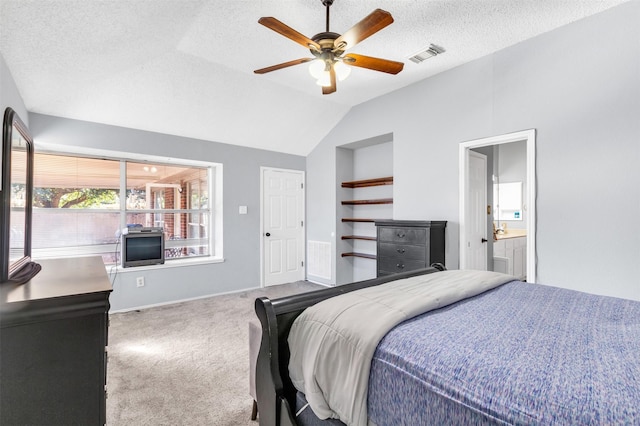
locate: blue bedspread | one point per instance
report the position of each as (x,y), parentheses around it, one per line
(518,354)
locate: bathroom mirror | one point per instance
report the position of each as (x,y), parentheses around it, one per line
(507,199)
(16,197)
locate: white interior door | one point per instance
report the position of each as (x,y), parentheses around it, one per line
(477,212)
(282,226)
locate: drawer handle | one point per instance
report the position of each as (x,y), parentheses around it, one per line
(400,250)
(400,266)
(401,235)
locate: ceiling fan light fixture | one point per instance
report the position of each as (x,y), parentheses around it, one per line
(324,79)
(317,68)
(342,70)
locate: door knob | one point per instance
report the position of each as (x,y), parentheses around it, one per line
(267,234)
(484,240)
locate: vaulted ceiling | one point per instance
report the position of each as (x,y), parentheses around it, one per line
(185,67)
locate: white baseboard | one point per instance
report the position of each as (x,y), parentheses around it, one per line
(173,302)
(319,283)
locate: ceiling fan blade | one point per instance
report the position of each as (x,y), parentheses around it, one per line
(287,31)
(376,64)
(374,22)
(327,90)
(283,65)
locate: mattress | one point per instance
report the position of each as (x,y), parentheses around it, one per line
(332,342)
(518,354)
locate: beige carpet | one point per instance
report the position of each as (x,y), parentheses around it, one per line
(186,363)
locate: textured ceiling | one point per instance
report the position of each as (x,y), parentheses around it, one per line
(185,67)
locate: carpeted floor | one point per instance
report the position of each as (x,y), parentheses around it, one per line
(186,363)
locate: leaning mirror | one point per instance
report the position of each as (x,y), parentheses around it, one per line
(16,194)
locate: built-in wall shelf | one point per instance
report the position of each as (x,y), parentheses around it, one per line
(363,255)
(363,202)
(358,237)
(361,194)
(368,182)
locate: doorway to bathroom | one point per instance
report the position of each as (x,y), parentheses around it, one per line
(497,213)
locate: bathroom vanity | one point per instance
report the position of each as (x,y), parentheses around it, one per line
(510,253)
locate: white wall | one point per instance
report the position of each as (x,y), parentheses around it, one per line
(579,86)
(9,95)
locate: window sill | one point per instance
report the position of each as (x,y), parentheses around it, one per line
(167,264)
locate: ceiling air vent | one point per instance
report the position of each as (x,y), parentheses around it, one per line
(426,53)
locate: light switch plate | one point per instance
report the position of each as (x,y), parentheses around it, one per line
(242,210)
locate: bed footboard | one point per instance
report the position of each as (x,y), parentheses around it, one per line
(275,392)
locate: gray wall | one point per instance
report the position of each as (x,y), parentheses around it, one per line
(579,86)
(241,166)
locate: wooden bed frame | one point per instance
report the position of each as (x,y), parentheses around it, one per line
(275,392)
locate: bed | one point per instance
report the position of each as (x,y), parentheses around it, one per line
(504,352)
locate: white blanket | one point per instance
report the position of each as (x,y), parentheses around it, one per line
(332,343)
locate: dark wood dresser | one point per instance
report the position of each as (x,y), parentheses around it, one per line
(406,245)
(53,338)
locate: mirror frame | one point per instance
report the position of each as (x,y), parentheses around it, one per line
(8,268)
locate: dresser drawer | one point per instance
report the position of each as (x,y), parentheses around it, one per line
(402,251)
(394,265)
(402,235)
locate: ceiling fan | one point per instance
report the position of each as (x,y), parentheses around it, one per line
(328,49)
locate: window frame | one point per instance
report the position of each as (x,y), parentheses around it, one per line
(214,214)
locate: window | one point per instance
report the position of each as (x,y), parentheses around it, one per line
(81,204)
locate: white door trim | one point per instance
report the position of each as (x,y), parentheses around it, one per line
(529,136)
(304,232)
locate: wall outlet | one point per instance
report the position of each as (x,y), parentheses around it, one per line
(140,282)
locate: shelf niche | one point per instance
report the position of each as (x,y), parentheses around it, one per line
(388,180)
(364,183)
